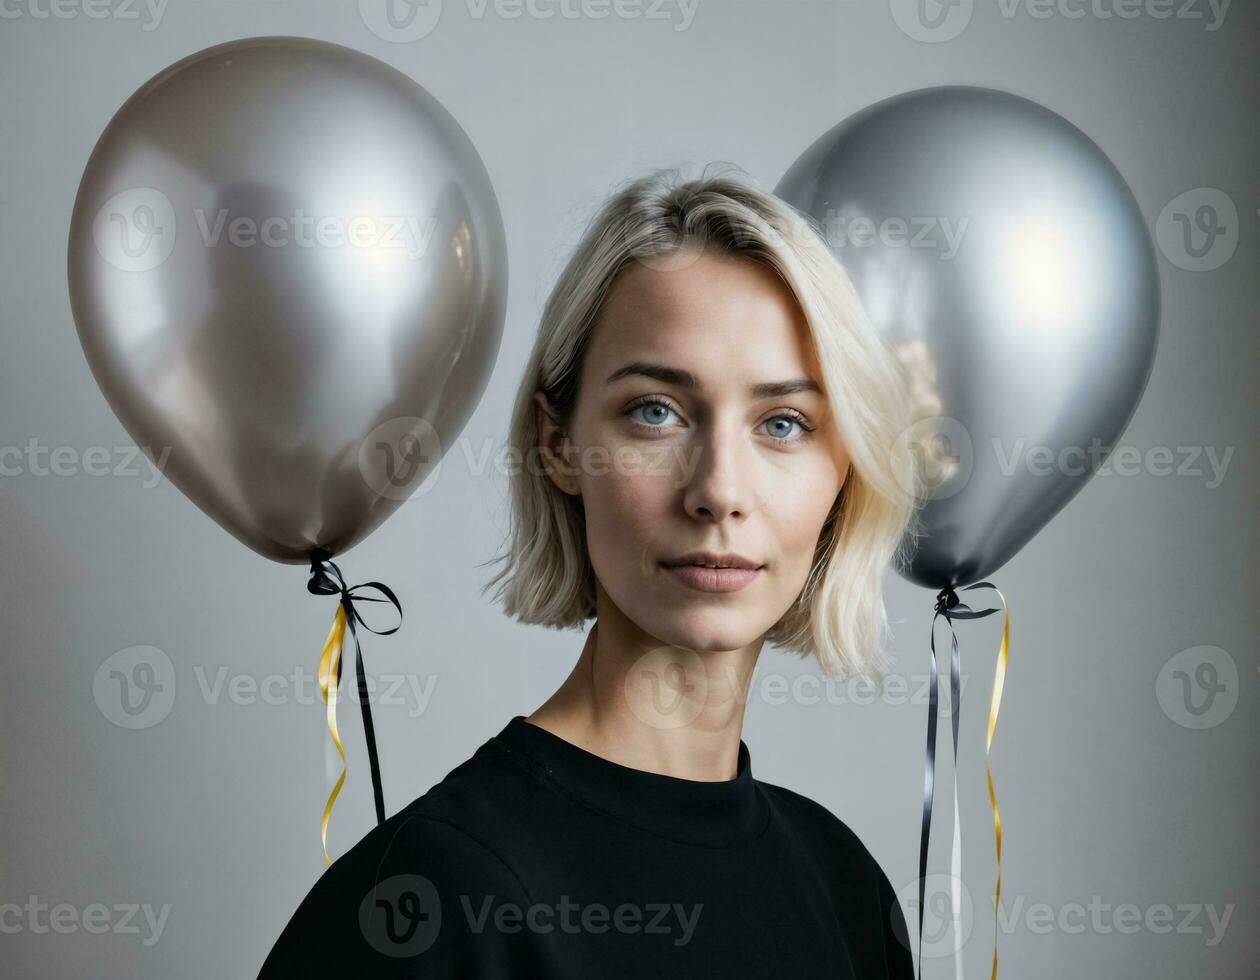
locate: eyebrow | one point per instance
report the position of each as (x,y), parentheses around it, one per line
(685,379)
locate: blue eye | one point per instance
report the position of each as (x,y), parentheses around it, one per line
(658,405)
(791,419)
(660,408)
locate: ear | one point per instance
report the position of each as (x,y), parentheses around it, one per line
(556,451)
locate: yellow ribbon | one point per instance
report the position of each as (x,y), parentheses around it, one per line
(329,675)
(999,678)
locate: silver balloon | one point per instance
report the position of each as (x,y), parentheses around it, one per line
(288,267)
(1003,258)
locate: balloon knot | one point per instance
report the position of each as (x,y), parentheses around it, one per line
(325,576)
(946,599)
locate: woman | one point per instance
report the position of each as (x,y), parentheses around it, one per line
(708,428)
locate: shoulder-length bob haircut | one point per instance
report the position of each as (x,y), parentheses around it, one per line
(839,615)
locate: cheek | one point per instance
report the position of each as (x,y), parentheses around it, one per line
(796,509)
(623,508)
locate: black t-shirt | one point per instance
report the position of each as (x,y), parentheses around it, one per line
(536,858)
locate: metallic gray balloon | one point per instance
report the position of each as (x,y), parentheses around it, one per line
(288,266)
(1007,264)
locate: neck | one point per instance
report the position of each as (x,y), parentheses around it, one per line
(652,706)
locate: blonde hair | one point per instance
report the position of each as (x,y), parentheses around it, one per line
(839,615)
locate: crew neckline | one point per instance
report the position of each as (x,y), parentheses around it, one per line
(702,812)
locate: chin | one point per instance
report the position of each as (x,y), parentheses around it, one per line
(710,631)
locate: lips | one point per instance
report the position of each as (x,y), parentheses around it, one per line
(714,580)
(721,560)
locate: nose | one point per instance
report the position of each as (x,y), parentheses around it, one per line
(719,486)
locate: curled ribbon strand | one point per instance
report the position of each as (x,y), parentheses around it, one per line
(951,607)
(326,579)
(999,679)
(329,677)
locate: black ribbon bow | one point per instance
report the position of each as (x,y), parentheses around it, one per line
(326,579)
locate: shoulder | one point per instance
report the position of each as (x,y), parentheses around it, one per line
(832,842)
(864,897)
(425,888)
(457,825)
(813,821)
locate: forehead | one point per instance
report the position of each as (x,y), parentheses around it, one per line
(722,317)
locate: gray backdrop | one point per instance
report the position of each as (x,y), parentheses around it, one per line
(1126,775)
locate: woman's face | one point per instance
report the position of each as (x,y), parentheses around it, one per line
(674,449)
